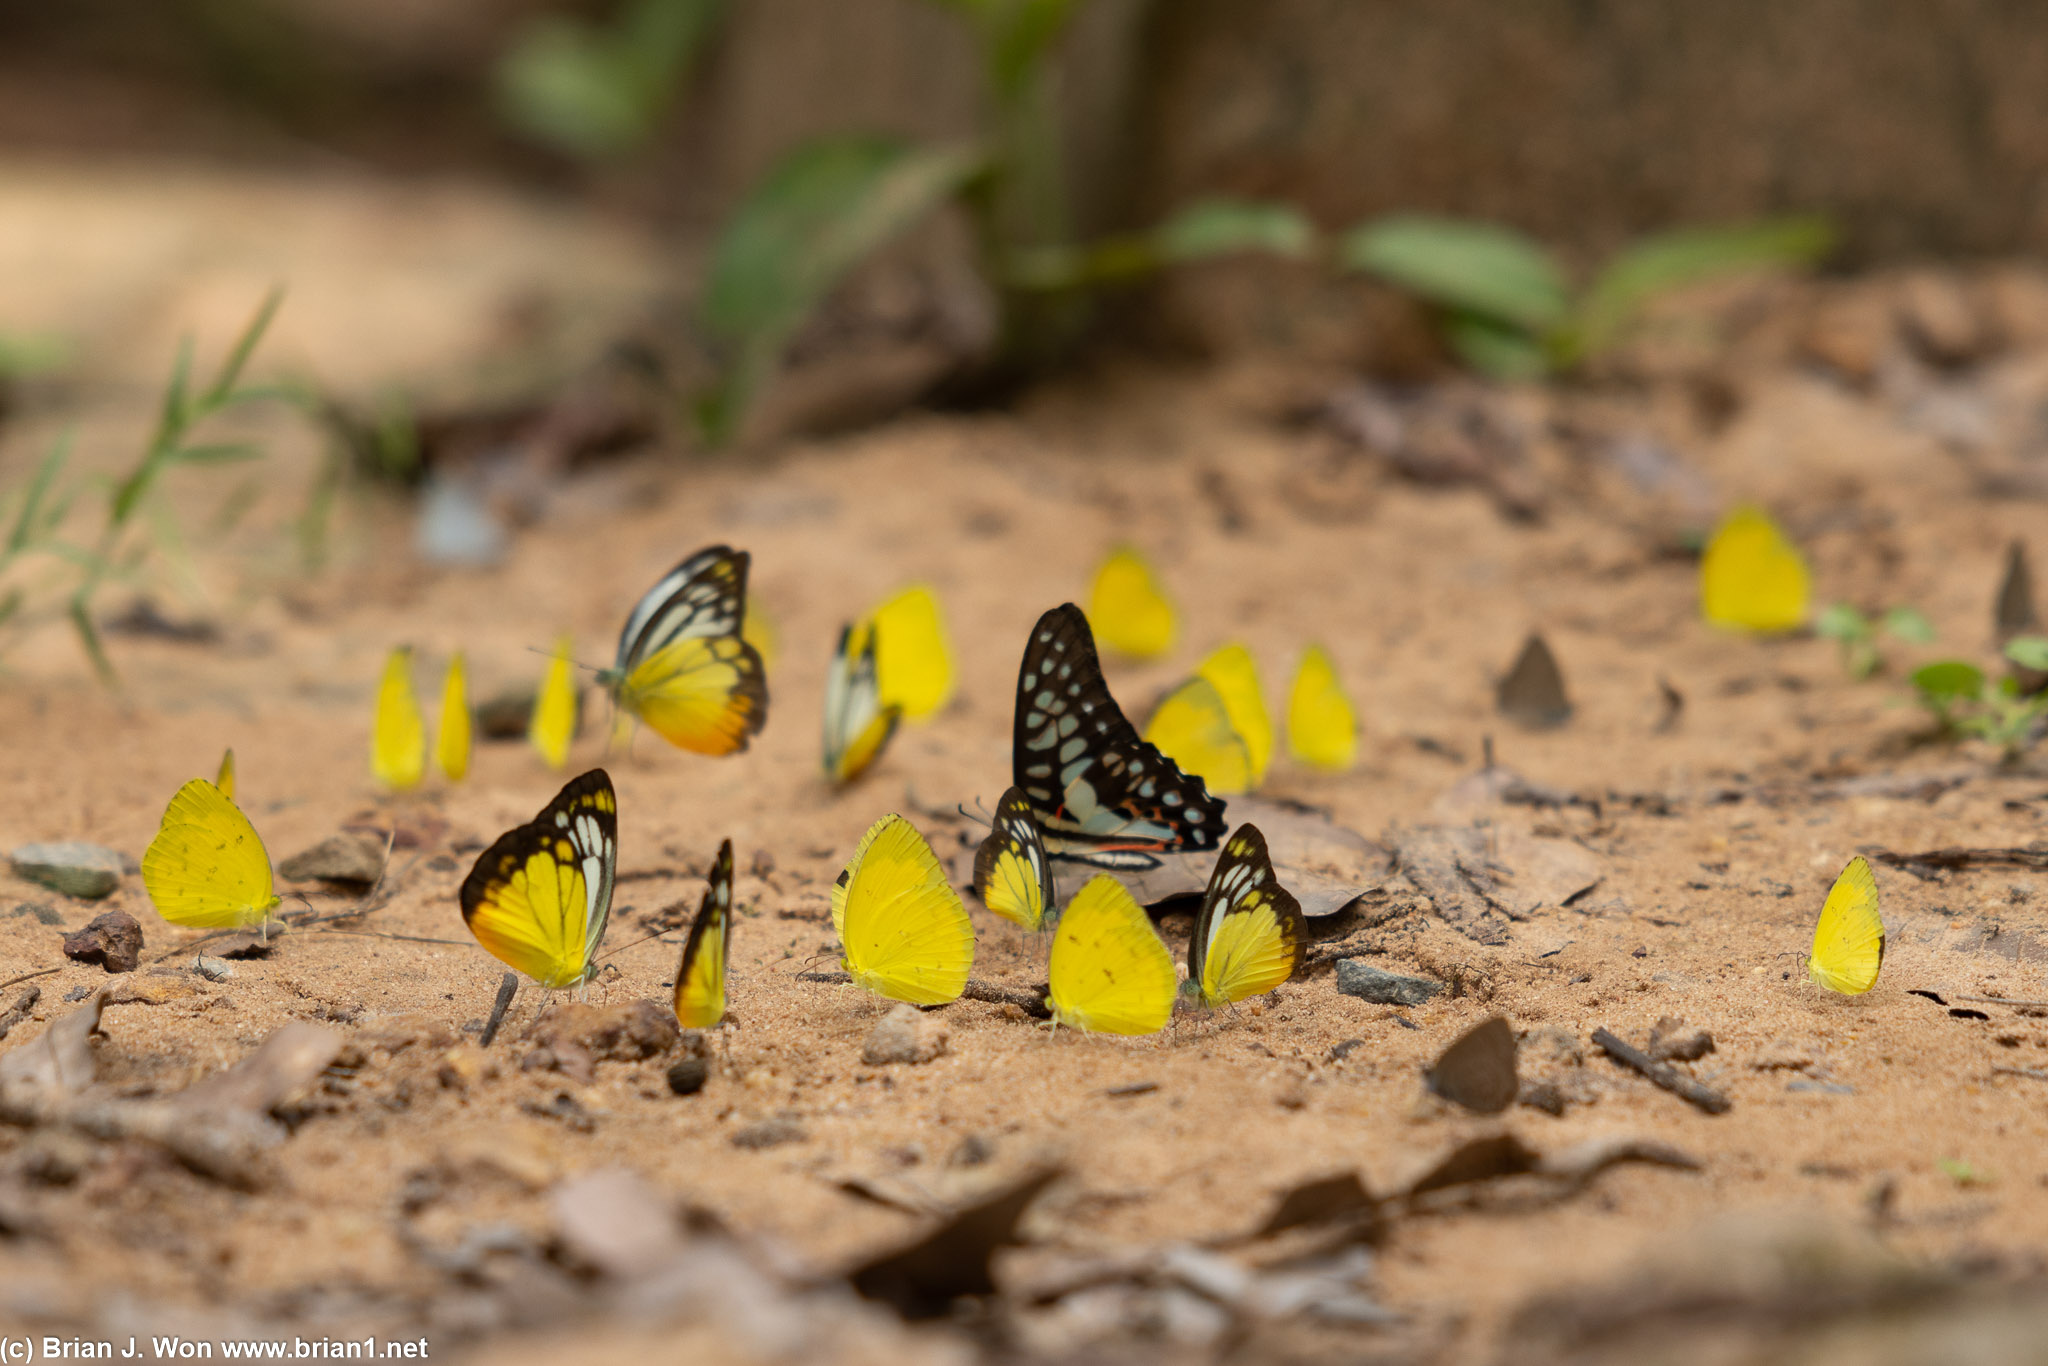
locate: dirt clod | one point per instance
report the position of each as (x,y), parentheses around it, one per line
(905,1035)
(687,1077)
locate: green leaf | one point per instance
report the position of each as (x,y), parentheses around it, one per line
(89,638)
(599,92)
(1842,622)
(817,215)
(1962,1172)
(1910,624)
(1018,34)
(1223,227)
(28,521)
(217,453)
(2029,652)
(1474,267)
(1496,350)
(1947,681)
(1688,256)
(244,347)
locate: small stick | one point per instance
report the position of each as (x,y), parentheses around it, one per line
(506,990)
(1031,1002)
(2003,1001)
(387,934)
(18,1012)
(2034,1072)
(1684,1087)
(40,972)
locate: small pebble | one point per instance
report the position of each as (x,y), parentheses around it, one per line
(347,857)
(113,940)
(73,867)
(687,1077)
(768,1133)
(1368,983)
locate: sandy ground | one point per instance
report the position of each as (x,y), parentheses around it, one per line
(1715,841)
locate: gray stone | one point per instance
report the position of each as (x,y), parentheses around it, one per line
(347,857)
(1368,983)
(73,867)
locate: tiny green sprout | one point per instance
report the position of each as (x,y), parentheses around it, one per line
(1965,701)
(1857,634)
(1962,1173)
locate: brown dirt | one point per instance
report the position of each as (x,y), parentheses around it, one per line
(1717,840)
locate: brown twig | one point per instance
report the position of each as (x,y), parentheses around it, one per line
(1029,1000)
(18,1012)
(2033,1073)
(2032,856)
(39,972)
(1677,1083)
(2001,1001)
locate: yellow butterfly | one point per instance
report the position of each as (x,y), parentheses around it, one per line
(398,735)
(1129,610)
(207,866)
(684,665)
(700,973)
(1848,941)
(1012,875)
(452,741)
(857,723)
(758,629)
(904,929)
(225,779)
(913,653)
(1110,971)
(538,899)
(554,709)
(1322,729)
(1752,578)
(1236,677)
(1249,932)
(1191,726)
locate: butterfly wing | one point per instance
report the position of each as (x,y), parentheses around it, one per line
(1110,972)
(554,710)
(1101,794)
(684,666)
(1191,726)
(1012,875)
(913,653)
(1322,729)
(207,867)
(398,735)
(1249,932)
(1235,676)
(539,898)
(1752,578)
(1129,607)
(857,724)
(700,974)
(906,934)
(1848,942)
(452,741)
(1478,1070)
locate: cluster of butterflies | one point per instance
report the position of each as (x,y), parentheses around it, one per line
(1086,789)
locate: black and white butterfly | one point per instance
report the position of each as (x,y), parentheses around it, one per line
(1102,795)
(682,665)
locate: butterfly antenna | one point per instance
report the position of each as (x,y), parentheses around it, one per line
(629,944)
(550,654)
